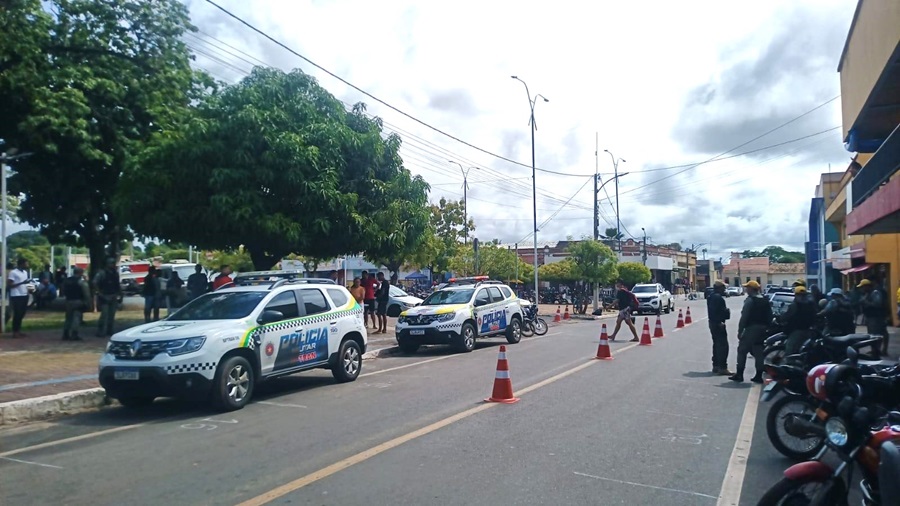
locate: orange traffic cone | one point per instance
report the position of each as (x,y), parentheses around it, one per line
(687,316)
(658,332)
(503,390)
(645,335)
(557,319)
(680,320)
(566,314)
(603,351)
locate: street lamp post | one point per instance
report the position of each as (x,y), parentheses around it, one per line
(465,173)
(644,255)
(531,104)
(616,177)
(4,158)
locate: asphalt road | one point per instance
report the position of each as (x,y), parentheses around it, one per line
(652,426)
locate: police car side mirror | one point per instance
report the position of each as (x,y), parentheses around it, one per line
(270,316)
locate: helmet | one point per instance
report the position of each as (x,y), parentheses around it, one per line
(816,381)
(836,291)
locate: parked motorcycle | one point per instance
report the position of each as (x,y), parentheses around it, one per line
(533,324)
(857,430)
(793,424)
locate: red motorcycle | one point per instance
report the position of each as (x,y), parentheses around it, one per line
(853,433)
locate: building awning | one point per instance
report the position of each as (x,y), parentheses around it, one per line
(858,268)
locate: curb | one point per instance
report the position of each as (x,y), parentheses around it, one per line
(49,406)
(381,352)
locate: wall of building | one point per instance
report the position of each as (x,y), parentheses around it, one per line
(885,249)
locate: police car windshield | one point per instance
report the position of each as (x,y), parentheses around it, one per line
(220,306)
(644,289)
(449,297)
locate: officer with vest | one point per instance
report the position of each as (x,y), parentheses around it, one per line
(798,320)
(718,313)
(109,292)
(838,314)
(756,316)
(78,300)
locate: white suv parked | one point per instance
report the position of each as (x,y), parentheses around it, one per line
(221,344)
(653,298)
(465,309)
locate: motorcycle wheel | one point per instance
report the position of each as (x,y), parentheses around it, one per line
(527,329)
(788,492)
(773,356)
(793,447)
(540,327)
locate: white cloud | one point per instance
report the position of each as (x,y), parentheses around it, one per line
(664,83)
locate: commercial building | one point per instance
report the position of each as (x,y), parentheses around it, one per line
(869,219)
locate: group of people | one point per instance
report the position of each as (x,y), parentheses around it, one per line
(373,293)
(808,306)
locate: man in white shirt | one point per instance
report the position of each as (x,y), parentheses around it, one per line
(17,286)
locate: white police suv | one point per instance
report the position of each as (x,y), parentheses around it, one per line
(463,310)
(221,344)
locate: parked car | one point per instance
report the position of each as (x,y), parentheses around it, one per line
(463,311)
(780,302)
(221,344)
(653,298)
(734,291)
(400,301)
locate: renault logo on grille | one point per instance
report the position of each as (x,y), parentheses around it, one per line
(135,347)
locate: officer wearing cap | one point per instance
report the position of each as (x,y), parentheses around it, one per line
(799,318)
(718,313)
(873,307)
(755,318)
(838,314)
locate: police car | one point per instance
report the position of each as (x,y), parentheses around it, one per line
(462,311)
(221,344)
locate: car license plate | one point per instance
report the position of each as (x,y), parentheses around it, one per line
(417,332)
(127,374)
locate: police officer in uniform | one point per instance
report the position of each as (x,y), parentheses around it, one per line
(755,318)
(78,300)
(718,313)
(799,318)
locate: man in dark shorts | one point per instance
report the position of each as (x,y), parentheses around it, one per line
(382,296)
(623,304)
(369,283)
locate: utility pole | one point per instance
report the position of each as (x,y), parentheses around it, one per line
(465,174)
(644,255)
(595,287)
(616,177)
(517,264)
(3,255)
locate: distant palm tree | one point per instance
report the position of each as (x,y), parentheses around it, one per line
(704,253)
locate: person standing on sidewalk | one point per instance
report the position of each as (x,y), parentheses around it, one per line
(197,283)
(78,300)
(152,293)
(718,314)
(369,284)
(109,292)
(755,318)
(17,286)
(798,320)
(382,296)
(873,306)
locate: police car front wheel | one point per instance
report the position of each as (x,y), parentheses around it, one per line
(234,384)
(465,341)
(349,362)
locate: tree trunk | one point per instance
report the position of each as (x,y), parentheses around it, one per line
(262,261)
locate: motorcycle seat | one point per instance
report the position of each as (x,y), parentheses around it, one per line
(848,340)
(875,366)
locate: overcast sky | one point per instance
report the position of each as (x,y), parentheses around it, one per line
(662,83)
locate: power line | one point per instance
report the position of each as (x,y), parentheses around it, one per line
(373,97)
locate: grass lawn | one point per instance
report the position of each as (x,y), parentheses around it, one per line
(51,320)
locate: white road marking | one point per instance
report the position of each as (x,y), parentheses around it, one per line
(666,489)
(730,495)
(30,462)
(282,405)
(664,413)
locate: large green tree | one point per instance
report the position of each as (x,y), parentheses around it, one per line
(448,229)
(777,255)
(494,261)
(83,83)
(564,271)
(277,164)
(595,261)
(632,273)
